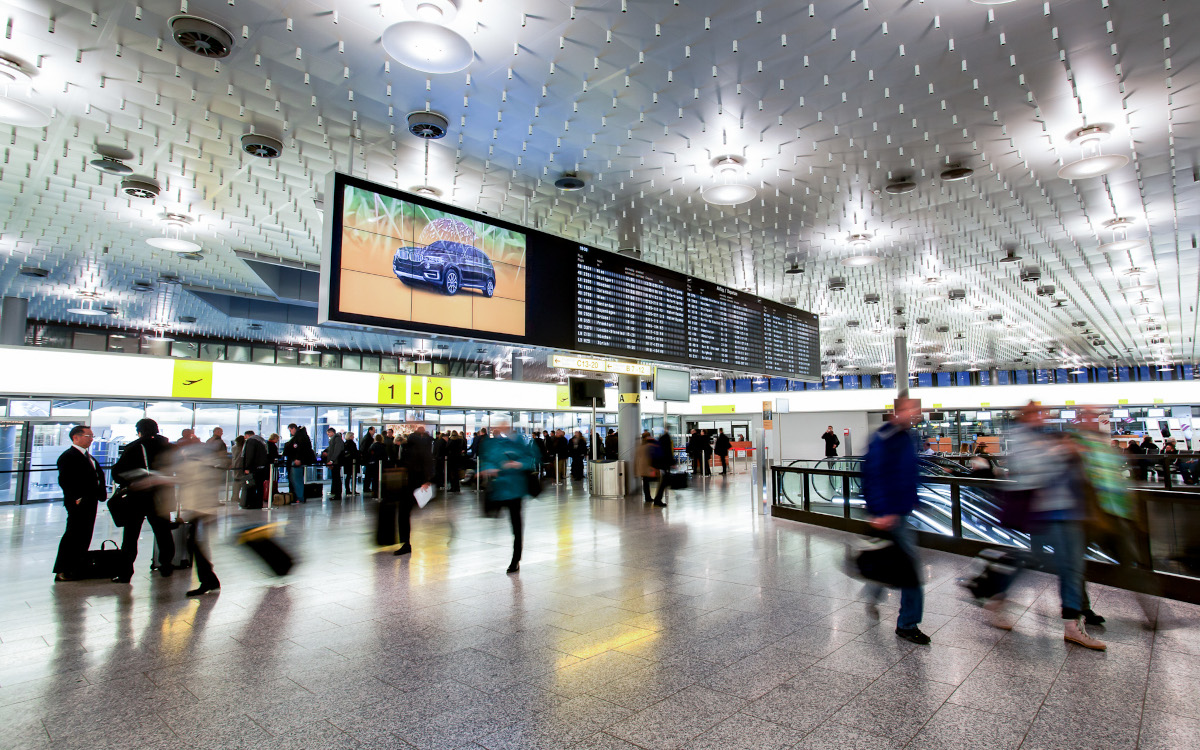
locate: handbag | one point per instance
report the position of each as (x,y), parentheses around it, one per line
(103,562)
(676,480)
(533,484)
(883,561)
(120,505)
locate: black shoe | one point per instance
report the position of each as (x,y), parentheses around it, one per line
(913,635)
(202,590)
(659,504)
(404,549)
(514,568)
(166,570)
(1091,618)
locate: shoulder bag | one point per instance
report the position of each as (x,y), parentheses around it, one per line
(120,505)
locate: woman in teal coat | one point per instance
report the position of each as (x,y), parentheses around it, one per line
(507,460)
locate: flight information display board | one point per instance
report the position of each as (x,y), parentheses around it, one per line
(403,262)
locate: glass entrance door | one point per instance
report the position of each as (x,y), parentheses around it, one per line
(48,443)
(12,461)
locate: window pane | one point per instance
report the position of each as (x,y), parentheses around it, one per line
(70,409)
(262,418)
(301,416)
(287,357)
(185,349)
(351,362)
(264,355)
(155,346)
(119,342)
(331,359)
(310,359)
(337,417)
(113,421)
(370,364)
(237,353)
(91,342)
(26,408)
(211,416)
(388,364)
(212,352)
(173,417)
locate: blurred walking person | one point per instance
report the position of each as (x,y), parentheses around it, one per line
(416,461)
(198,483)
(140,470)
(508,460)
(890,476)
(643,464)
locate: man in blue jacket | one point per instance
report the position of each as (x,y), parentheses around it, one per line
(889,480)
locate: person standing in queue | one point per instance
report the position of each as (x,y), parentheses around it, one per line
(831,442)
(350,464)
(139,469)
(611,446)
(890,476)
(454,459)
(416,459)
(217,441)
(257,470)
(706,450)
(273,461)
(578,448)
(333,459)
(643,464)
(507,461)
(562,449)
(722,448)
(83,488)
(298,452)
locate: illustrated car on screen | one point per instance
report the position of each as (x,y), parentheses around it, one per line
(447,265)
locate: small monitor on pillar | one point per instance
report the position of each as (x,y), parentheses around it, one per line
(583,390)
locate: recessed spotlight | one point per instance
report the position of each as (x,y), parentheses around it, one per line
(865,259)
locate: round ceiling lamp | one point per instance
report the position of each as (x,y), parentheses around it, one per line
(1010,255)
(1120,242)
(172,239)
(956,172)
(901,186)
(729,191)
(427,44)
(426,190)
(862,256)
(992,2)
(1093,163)
(88,306)
(15,107)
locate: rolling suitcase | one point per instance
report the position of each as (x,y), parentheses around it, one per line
(180,533)
(991,573)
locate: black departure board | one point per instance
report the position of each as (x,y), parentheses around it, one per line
(619,306)
(630,308)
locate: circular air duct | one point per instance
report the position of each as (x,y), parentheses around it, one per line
(262,146)
(1031,273)
(140,187)
(955,172)
(201,36)
(900,186)
(428,125)
(569,182)
(34,272)
(837,284)
(1046,290)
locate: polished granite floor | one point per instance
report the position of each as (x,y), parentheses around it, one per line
(701,625)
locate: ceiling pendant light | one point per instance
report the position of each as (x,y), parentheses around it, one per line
(729,191)
(88,306)
(172,240)
(1120,242)
(427,44)
(1010,255)
(1092,163)
(862,256)
(16,109)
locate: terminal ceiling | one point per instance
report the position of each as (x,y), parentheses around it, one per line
(827,103)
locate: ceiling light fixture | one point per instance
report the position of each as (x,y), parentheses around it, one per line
(956,172)
(729,191)
(1010,255)
(427,44)
(16,109)
(172,239)
(88,307)
(1120,242)
(900,186)
(860,242)
(1093,163)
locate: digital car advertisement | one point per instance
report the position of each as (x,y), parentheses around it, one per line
(409,263)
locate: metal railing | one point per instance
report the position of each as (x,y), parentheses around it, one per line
(961,514)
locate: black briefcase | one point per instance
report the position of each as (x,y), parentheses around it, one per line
(103,562)
(676,480)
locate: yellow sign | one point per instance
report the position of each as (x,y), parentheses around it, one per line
(1158,400)
(629,398)
(717,409)
(437,392)
(596,364)
(416,390)
(562,395)
(937,406)
(192,379)
(393,389)
(1069,403)
(1122,401)
(984,405)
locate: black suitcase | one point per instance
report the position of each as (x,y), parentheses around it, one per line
(991,573)
(313,490)
(261,540)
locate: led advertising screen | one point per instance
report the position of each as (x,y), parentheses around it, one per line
(406,264)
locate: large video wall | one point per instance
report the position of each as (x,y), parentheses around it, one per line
(398,261)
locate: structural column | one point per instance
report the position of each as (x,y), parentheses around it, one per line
(14,317)
(901,365)
(629,426)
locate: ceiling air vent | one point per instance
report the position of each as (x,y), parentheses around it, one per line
(428,125)
(631,252)
(955,172)
(34,272)
(1031,273)
(922,321)
(852,324)
(837,284)
(871,298)
(569,181)
(1059,303)
(168,278)
(142,286)
(996,317)
(262,146)
(900,186)
(192,256)
(140,187)
(112,160)
(943,329)
(201,36)
(957,294)
(187,318)
(1046,290)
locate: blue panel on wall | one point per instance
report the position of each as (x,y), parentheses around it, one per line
(759,385)
(833,384)
(741,385)
(708,386)
(1101,374)
(985,378)
(1062,376)
(1022,377)
(1043,376)
(1003,377)
(1123,374)
(924,380)
(850,381)
(777,384)
(1188,372)
(887,380)
(962,378)
(695,386)
(943,379)
(1144,373)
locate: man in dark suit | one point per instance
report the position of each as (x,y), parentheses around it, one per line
(83,486)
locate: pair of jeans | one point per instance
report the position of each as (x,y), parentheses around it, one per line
(1066,539)
(296,482)
(335,484)
(912,601)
